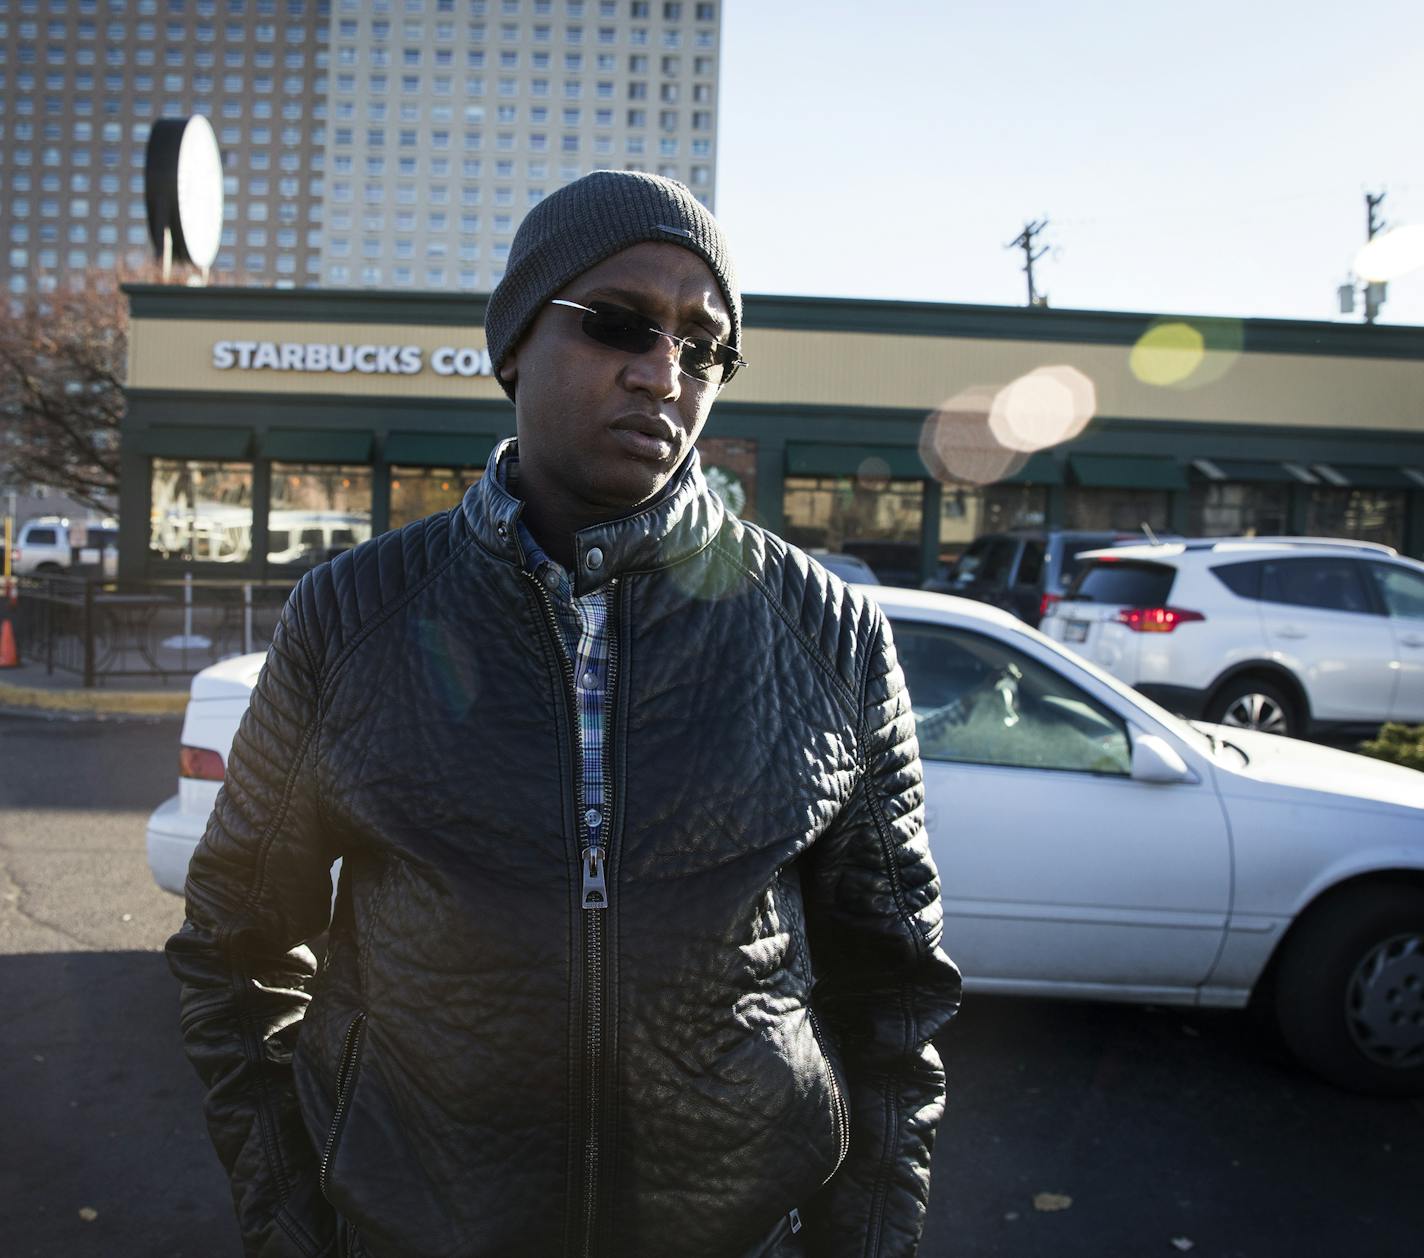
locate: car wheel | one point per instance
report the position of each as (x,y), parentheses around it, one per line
(1350,991)
(1254,703)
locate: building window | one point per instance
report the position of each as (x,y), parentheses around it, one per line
(870,516)
(1237,509)
(1114,510)
(317,510)
(1366,515)
(200,512)
(419,492)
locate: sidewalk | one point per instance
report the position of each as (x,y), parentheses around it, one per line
(30,689)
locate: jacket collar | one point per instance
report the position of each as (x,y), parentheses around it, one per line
(678,523)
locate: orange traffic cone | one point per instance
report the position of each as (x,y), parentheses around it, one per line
(9,649)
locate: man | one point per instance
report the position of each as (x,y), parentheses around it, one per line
(636,947)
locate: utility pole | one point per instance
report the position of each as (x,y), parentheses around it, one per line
(1374,293)
(1024,241)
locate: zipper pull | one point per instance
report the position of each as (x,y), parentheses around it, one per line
(595,889)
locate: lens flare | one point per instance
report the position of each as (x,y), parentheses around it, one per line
(1167,354)
(873,473)
(1186,354)
(1391,255)
(958,446)
(1044,408)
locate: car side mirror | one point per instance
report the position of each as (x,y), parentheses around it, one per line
(1154,759)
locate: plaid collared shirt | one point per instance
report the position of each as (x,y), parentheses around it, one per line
(583,627)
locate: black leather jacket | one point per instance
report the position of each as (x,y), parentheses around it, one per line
(485,1068)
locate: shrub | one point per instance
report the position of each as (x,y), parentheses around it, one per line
(1399,744)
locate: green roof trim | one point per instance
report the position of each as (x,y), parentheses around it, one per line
(194,443)
(438,449)
(830,314)
(808,459)
(1376,477)
(1126,471)
(317,445)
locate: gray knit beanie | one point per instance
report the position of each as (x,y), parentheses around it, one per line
(583,223)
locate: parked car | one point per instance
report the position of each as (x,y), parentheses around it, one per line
(847,567)
(1286,635)
(1095,846)
(894,563)
(1024,571)
(217,699)
(44,545)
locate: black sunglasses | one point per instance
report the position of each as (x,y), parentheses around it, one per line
(617,327)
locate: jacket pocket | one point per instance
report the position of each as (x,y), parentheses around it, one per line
(784,1240)
(345,1085)
(348,1244)
(840,1113)
(791,910)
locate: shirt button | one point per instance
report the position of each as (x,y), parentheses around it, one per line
(593,818)
(593,561)
(590,682)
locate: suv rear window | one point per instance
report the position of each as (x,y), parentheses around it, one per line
(41,537)
(1130,582)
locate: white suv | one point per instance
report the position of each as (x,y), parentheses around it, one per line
(1287,635)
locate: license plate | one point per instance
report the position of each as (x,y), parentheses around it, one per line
(1075,631)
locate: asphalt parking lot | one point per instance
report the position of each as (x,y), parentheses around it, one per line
(1074,1129)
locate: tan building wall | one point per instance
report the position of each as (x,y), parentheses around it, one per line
(846,369)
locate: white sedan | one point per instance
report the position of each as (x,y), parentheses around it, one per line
(1093,845)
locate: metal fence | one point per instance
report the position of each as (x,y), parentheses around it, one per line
(99,629)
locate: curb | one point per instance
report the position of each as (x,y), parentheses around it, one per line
(97,702)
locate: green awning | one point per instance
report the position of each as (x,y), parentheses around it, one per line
(1126,471)
(1376,477)
(1041,469)
(194,443)
(317,445)
(807,459)
(1262,471)
(438,449)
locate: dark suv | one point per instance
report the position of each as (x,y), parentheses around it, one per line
(1024,571)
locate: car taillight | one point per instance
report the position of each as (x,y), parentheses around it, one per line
(199,762)
(1046,602)
(1155,619)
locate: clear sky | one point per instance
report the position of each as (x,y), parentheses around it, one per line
(1196,156)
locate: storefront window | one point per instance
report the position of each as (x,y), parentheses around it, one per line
(1364,515)
(877,520)
(1115,510)
(1234,509)
(966,512)
(200,512)
(317,510)
(417,492)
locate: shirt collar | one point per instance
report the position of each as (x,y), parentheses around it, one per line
(679,522)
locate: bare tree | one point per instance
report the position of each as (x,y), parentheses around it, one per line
(63,356)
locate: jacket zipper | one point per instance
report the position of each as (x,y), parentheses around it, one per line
(349,1050)
(841,1114)
(593,899)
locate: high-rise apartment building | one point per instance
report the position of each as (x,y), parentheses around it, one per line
(392,143)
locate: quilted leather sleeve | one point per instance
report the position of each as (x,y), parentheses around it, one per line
(884,985)
(258,886)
